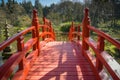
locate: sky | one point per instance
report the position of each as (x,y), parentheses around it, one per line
(49,2)
(46,2)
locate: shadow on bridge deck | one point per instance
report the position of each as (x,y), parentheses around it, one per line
(61,61)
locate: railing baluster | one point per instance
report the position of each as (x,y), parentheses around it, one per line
(100,47)
(20,47)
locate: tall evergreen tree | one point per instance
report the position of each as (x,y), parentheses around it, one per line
(38,6)
(28,7)
(3,3)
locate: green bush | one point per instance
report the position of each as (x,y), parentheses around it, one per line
(65,27)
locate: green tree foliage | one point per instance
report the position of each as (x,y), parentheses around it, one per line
(64,11)
(15,14)
(27,5)
(38,6)
(2,3)
(65,27)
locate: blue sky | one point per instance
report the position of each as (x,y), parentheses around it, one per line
(46,2)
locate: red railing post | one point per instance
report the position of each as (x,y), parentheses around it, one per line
(72,30)
(53,33)
(20,46)
(100,47)
(50,30)
(85,30)
(43,29)
(35,23)
(78,32)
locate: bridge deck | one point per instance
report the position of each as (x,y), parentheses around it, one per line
(60,61)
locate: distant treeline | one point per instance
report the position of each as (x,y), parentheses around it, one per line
(65,10)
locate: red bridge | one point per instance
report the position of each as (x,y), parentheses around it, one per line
(43,58)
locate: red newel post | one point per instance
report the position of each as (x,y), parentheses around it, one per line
(100,47)
(35,23)
(20,46)
(69,34)
(50,29)
(72,35)
(53,33)
(85,30)
(78,32)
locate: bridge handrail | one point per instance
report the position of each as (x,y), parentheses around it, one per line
(73,32)
(98,48)
(106,36)
(15,37)
(22,57)
(47,29)
(102,57)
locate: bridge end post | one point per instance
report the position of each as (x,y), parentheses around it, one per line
(35,23)
(85,30)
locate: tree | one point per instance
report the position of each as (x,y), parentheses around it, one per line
(46,11)
(38,6)
(66,9)
(3,3)
(28,7)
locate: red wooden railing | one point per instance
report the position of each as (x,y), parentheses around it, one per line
(24,59)
(21,58)
(102,59)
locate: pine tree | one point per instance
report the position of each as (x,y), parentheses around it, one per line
(38,6)
(3,3)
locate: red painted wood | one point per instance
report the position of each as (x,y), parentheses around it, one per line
(20,46)
(7,68)
(98,47)
(78,32)
(60,59)
(106,36)
(12,39)
(35,23)
(47,30)
(73,33)
(46,33)
(20,56)
(85,30)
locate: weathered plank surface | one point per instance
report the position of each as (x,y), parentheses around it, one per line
(60,61)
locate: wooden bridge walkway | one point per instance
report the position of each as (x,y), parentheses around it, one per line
(61,61)
(43,58)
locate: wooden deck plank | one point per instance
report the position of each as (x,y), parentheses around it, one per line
(60,61)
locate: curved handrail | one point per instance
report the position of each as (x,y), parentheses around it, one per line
(106,36)
(12,39)
(51,35)
(102,57)
(22,58)
(73,32)
(47,30)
